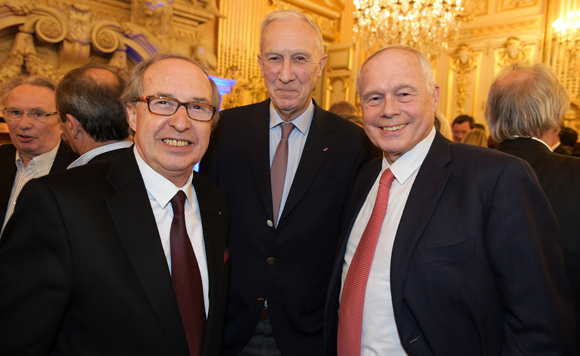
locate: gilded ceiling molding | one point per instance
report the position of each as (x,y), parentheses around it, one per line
(530,24)
(506,5)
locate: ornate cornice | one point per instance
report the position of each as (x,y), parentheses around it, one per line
(529,24)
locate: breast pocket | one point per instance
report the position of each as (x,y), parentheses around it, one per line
(423,256)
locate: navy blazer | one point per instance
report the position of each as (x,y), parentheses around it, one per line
(290,265)
(477,265)
(83,271)
(64,157)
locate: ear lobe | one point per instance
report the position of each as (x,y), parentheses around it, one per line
(321,64)
(132,117)
(261,65)
(73,125)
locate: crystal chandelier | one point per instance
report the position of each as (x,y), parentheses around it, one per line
(423,24)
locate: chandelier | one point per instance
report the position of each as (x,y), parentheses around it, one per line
(423,24)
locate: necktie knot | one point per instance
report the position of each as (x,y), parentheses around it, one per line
(387,178)
(178,203)
(287,128)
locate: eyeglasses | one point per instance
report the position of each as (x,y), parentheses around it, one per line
(15,114)
(162,105)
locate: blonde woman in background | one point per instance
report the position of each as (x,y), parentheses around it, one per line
(476,137)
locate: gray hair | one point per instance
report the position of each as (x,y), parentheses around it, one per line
(292,15)
(134,87)
(94,100)
(426,66)
(35,80)
(531,105)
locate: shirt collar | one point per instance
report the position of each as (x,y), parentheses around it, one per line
(408,163)
(162,189)
(302,122)
(40,160)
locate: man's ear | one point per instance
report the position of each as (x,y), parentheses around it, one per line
(321,64)
(73,125)
(132,116)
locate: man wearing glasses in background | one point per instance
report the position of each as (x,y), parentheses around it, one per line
(37,150)
(125,256)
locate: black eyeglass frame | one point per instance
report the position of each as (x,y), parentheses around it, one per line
(42,117)
(148,98)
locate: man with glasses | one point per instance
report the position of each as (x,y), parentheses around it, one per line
(36,150)
(125,256)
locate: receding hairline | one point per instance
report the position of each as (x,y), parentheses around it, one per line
(416,54)
(196,65)
(293,16)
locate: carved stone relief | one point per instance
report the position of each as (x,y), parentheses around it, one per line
(463,63)
(75,33)
(513,51)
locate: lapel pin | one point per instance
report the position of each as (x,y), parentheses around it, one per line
(325,149)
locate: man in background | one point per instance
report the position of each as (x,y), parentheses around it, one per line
(461,126)
(448,249)
(93,118)
(37,150)
(287,167)
(125,256)
(524,110)
(568,138)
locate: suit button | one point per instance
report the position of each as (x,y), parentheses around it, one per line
(271,261)
(270,223)
(260,300)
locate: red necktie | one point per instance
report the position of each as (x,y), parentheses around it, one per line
(278,170)
(350,314)
(186,278)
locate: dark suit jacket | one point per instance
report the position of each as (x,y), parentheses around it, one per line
(561,150)
(83,271)
(109,155)
(559,176)
(302,248)
(64,157)
(477,265)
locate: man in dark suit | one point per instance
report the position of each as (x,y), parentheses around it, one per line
(125,256)
(285,222)
(36,149)
(93,118)
(524,110)
(448,249)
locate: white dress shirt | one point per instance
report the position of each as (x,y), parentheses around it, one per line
(379,330)
(160,192)
(296,143)
(88,156)
(39,166)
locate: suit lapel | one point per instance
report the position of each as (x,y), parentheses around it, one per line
(423,198)
(131,212)
(257,141)
(317,147)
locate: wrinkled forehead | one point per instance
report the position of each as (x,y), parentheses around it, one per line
(176,77)
(27,96)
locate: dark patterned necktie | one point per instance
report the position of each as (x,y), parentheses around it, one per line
(186,278)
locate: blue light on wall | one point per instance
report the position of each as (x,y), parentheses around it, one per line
(224,86)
